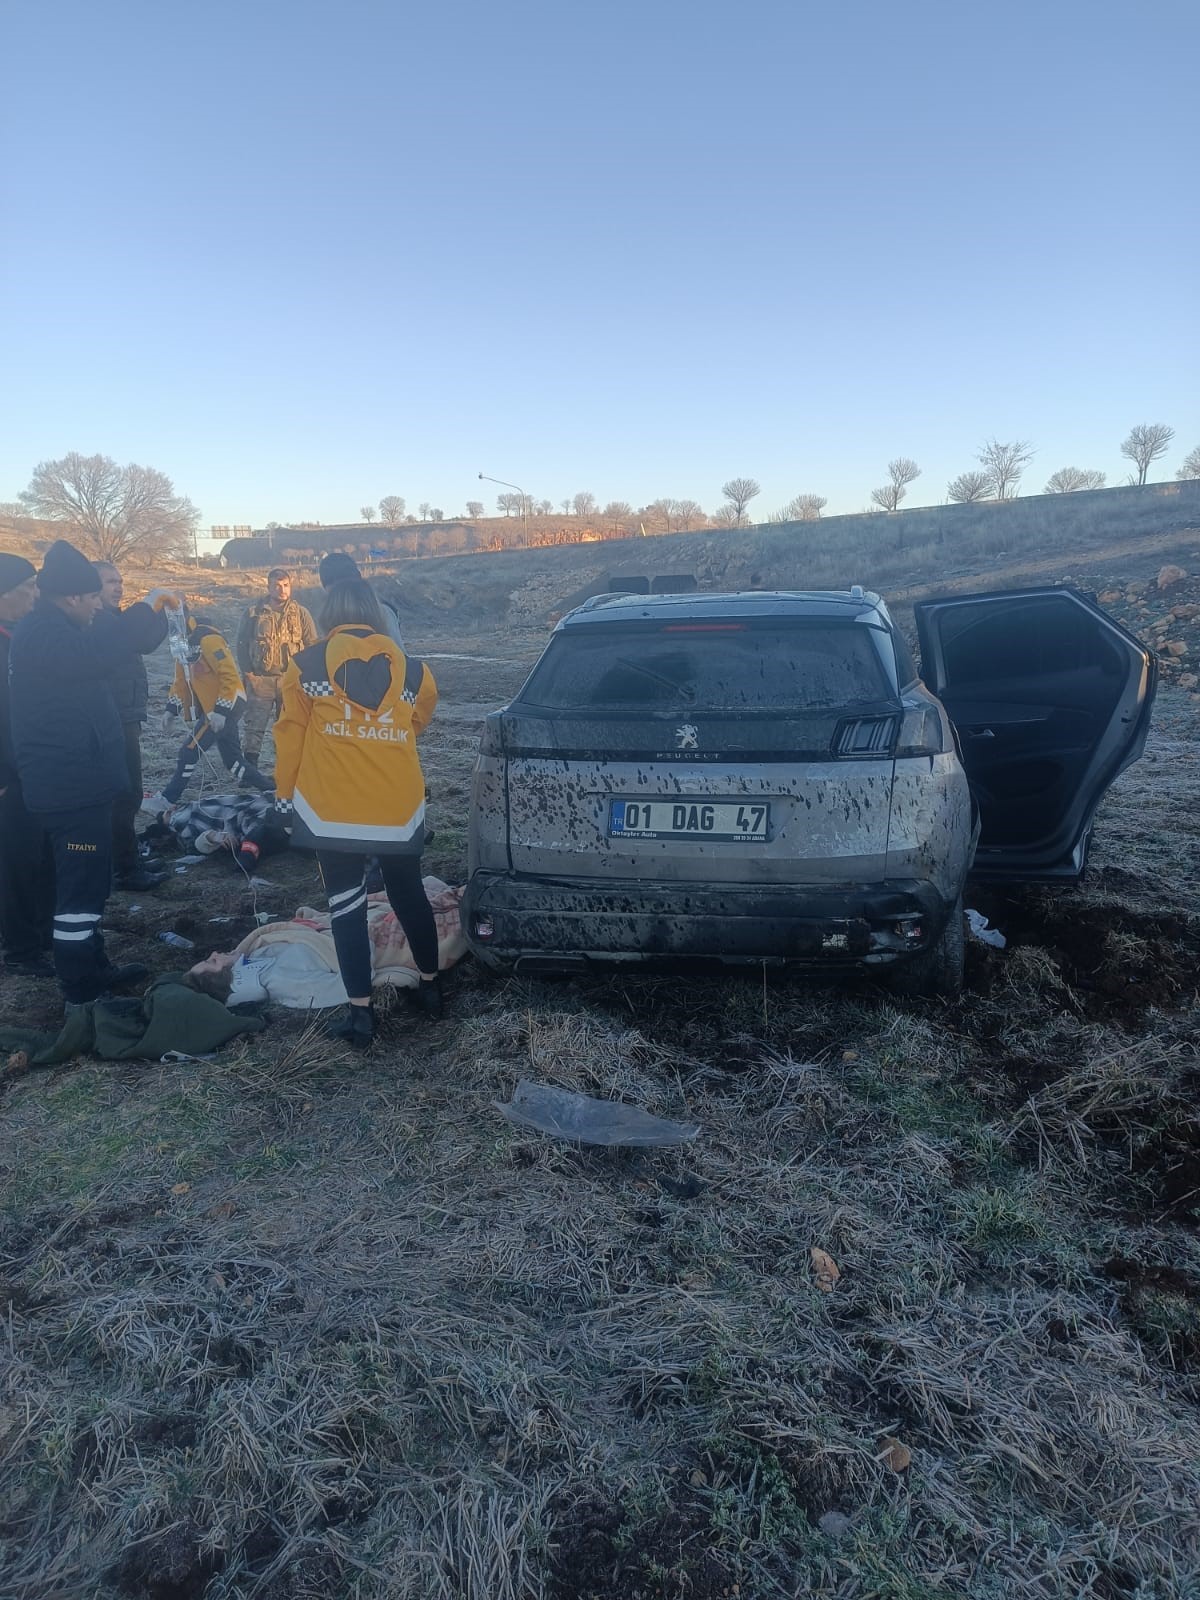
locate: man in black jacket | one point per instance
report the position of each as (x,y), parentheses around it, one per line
(70,750)
(130,693)
(26,864)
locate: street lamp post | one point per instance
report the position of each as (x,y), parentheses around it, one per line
(524,500)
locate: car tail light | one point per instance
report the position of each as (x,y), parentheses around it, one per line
(484,928)
(491,740)
(920,733)
(864,736)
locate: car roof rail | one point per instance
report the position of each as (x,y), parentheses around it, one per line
(857,592)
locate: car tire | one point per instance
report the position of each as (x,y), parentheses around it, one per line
(937,973)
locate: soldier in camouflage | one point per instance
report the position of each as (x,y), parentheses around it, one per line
(273,630)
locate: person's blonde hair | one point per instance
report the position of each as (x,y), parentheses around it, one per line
(352,603)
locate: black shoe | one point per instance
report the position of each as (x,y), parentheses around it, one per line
(426,998)
(35,967)
(141,878)
(354,1025)
(119,977)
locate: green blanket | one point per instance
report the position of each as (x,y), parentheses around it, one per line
(169,1016)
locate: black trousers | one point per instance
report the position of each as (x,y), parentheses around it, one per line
(26,880)
(229,747)
(344,877)
(125,806)
(82,845)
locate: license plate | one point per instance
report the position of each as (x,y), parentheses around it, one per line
(720,821)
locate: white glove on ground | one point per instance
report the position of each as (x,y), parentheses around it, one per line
(167,721)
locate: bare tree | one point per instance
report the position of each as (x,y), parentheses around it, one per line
(114,513)
(565,506)
(1004,464)
(1145,444)
(617,512)
(510,504)
(1191,465)
(423,511)
(545,507)
(968,487)
(739,492)
(436,514)
(391,509)
(661,512)
(726,515)
(688,512)
(802,508)
(901,472)
(1068,479)
(475,509)
(584,504)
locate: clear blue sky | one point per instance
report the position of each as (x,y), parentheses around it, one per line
(301,255)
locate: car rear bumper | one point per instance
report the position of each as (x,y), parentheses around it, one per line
(551,924)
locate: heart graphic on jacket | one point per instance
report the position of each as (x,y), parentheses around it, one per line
(365,682)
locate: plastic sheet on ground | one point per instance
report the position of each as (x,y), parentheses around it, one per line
(584,1120)
(977,926)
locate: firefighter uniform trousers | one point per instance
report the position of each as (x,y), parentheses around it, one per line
(229,747)
(82,845)
(26,880)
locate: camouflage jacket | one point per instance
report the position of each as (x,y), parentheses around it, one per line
(271,635)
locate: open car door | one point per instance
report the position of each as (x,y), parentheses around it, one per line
(1051,698)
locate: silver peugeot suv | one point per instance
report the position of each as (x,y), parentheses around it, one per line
(764,777)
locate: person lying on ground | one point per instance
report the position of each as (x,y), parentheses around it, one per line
(246,825)
(208,693)
(349,784)
(295,963)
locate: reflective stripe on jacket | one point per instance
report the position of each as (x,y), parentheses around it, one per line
(216,684)
(346,761)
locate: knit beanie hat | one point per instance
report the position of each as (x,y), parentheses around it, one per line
(66,570)
(337,567)
(14,570)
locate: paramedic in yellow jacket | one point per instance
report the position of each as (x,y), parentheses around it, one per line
(209,695)
(348,784)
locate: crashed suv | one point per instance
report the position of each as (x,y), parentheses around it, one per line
(764,777)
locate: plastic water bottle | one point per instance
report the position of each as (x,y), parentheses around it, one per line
(176,939)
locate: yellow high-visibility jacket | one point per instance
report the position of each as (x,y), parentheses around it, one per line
(216,683)
(346,764)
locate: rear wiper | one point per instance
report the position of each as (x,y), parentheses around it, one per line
(657,677)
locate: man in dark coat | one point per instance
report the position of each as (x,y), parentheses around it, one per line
(70,750)
(26,864)
(130,693)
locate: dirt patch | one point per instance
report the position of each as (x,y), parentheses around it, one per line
(1119,961)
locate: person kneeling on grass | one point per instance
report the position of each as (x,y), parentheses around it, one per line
(210,695)
(349,784)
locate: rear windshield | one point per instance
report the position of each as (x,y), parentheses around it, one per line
(712,667)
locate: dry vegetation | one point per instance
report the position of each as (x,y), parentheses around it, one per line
(286,1324)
